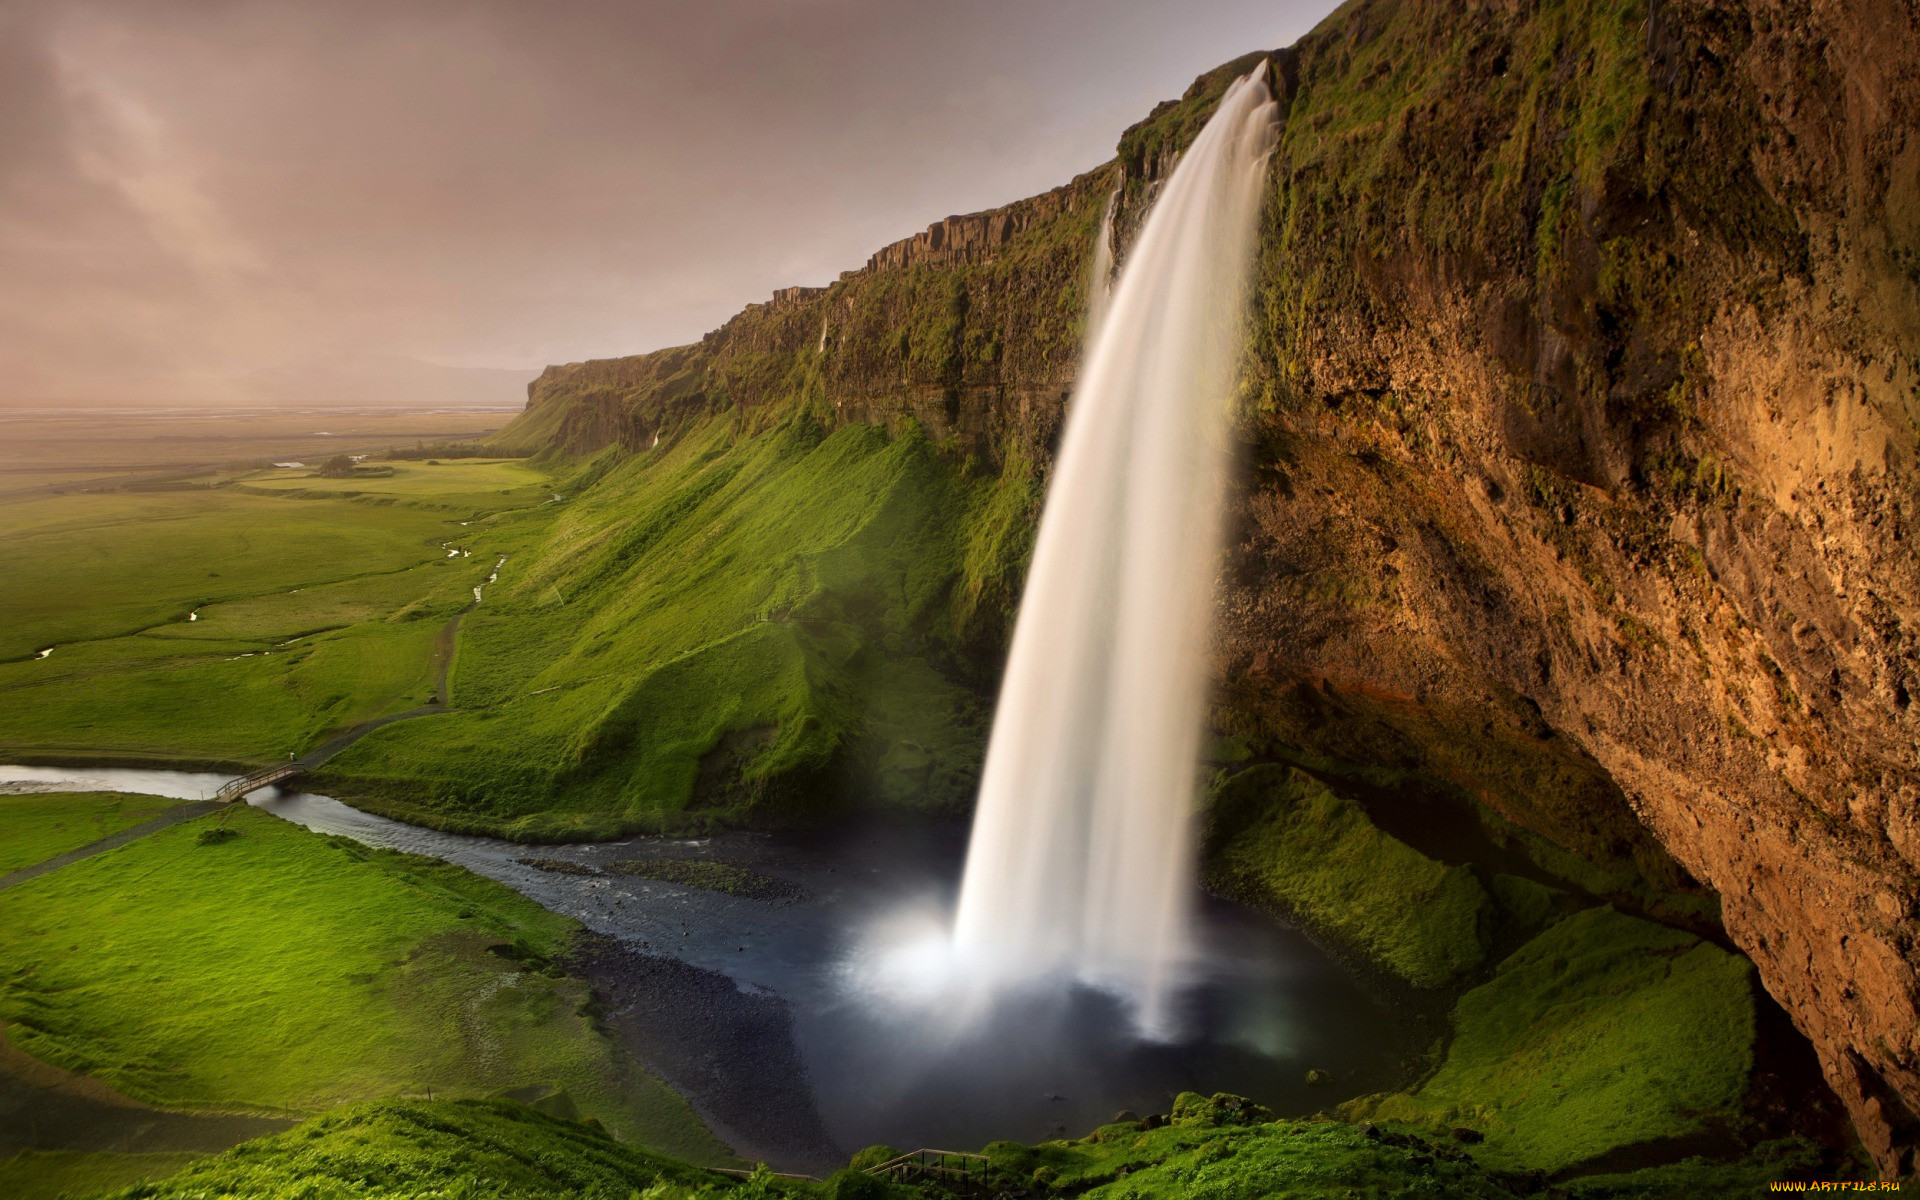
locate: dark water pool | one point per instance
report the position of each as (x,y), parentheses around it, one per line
(759,1010)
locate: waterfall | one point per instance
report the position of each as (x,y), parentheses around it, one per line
(1081,859)
(1100,276)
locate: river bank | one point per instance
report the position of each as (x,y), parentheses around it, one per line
(749,1006)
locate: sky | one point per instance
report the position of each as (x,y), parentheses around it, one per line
(191,190)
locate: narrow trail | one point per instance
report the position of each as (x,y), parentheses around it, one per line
(186,812)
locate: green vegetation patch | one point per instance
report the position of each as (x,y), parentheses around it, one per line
(1279,836)
(278,970)
(1700,1179)
(733,627)
(472,1149)
(461,485)
(38,826)
(51,1174)
(1222,1156)
(1200,1160)
(1604,1031)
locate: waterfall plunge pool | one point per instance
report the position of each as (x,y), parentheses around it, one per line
(760,1011)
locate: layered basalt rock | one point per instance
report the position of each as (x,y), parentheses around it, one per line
(1583,399)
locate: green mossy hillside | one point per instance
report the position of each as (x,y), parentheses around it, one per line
(729,628)
(1604,1031)
(1278,836)
(470,1149)
(38,826)
(278,971)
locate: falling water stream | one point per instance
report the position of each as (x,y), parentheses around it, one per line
(1081,859)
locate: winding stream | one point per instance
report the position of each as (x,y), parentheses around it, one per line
(752,1008)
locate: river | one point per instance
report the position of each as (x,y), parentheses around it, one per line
(752,1008)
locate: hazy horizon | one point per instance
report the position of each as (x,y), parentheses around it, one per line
(195,191)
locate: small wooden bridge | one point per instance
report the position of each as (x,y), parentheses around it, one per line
(253,781)
(247,784)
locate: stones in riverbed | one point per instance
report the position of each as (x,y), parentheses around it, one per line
(559,866)
(687,872)
(710,876)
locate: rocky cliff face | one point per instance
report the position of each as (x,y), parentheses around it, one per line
(1582,405)
(970,329)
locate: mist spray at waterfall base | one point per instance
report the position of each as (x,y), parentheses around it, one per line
(1080,865)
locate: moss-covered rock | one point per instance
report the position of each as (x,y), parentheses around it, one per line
(1279,836)
(1221,1108)
(1604,1031)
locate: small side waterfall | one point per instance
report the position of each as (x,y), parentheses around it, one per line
(1100,275)
(1081,859)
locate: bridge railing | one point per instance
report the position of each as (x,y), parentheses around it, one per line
(254,781)
(955,1169)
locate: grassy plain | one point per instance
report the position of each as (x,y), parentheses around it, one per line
(280,971)
(41,825)
(738,625)
(463,484)
(242,622)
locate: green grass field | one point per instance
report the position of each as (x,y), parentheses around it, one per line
(237,624)
(280,971)
(465,484)
(41,825)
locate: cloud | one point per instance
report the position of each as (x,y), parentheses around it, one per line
(202,187)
